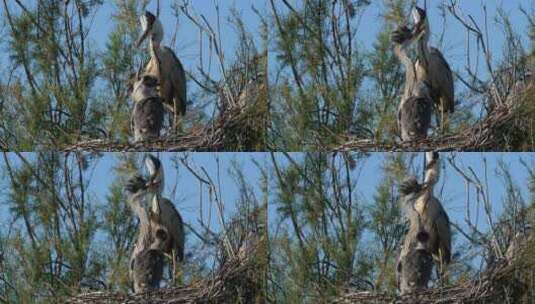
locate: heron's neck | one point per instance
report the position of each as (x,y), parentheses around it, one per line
(155,54)
(144,224)
(431,174)
(410,74)
(423,48)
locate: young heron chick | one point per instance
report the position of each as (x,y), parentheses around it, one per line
(147,116)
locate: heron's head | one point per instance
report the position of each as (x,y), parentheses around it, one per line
(402,36)
(431,157)
(150,27)
(155,182)
(421,23)
(145,86)
(409,186)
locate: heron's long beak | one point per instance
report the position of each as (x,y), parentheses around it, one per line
(418,31)
(155,172)
(142,38)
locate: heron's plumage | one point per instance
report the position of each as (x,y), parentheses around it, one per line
(415,118)
(165,65)
(432,66)
(415,108)
(148,118)
(170,218)
(147,268)
(441,78)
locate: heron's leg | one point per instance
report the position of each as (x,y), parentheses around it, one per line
(168,107)
(175,114)
(440,269)
(173,256)
(443,126)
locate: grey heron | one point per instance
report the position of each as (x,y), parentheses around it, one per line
(432,66)
(146,263)
(429,225)
(413,269)
(435,219)
(163,212)
(147,270)
(414,111)
(165,65)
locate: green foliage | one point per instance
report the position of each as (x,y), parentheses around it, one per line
(387,223)
(321,70)
(55,73)
(51,244)
(317,251)
(119,66)
(60,240)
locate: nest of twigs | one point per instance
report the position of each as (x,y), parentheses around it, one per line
(240,128)
(234,282)
(486,135)
(503,283)
(496,287)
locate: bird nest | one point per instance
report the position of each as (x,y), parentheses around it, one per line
(497,287)
(234,282)
(503,283)
(486,135)
(241,128)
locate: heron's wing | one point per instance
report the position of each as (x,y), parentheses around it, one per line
(444,78)
(442,224)
(173,221)
(180,77)
(180,241)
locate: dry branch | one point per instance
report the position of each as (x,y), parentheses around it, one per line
(237,128)
(505,281)
(234,282)
(483,136)
(494,287)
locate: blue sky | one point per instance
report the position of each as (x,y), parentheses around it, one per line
(187,194)
(187,42)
